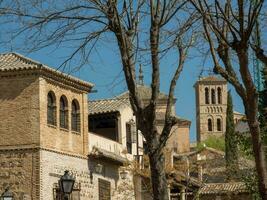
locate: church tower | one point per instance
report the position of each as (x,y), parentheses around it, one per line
(211,105)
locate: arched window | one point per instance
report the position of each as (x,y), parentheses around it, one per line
(51,108)
(75,116)
(213,96)
(207,96)
(209,125)
(219,95)
(219,125)
(63,112)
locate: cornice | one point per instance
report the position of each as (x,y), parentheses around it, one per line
(34,148)
(50,74)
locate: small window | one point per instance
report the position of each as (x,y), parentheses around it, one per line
(219,125)
(213,96)
(207,96)
(209,125)
(219,94)
(51,108)
(63,112)
(75,116)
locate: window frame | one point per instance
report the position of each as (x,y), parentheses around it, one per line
(210,128)
(63,112)
(207,99)
(51,109)
(75,116)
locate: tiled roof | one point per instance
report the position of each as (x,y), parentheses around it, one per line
(221,188)
(16,62)
(107,105)
(144,92)
(212,79)
(113,105)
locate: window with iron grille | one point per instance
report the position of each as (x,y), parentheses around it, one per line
(104,189)
(63,112)
(51,108)
(75,116)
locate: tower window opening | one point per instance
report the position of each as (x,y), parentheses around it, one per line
(213,96)
(207,96)
(209,125)
(219,94)
(219,125)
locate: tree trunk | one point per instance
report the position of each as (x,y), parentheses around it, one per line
(260,161)
(158,176)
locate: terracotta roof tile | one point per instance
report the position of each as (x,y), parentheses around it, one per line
(107,105)
(212,79)
(220,188)
(144,92)
(16,62)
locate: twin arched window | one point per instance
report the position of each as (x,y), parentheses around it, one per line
(64,114)
(219,125)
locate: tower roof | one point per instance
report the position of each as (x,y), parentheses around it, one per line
(211,80)
(144,92)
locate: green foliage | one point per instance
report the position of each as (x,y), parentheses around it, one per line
(213,142)
(245,147)
(251,182)
(231,148)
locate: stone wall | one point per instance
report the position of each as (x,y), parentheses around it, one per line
(19,170)
(210,111)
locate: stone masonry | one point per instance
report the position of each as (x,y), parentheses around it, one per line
(210,111)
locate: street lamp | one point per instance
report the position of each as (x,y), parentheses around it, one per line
(7,195)
(66,184)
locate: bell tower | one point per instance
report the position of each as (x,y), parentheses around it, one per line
(211,105)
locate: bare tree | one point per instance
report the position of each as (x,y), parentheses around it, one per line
(228,27)
(151,28)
